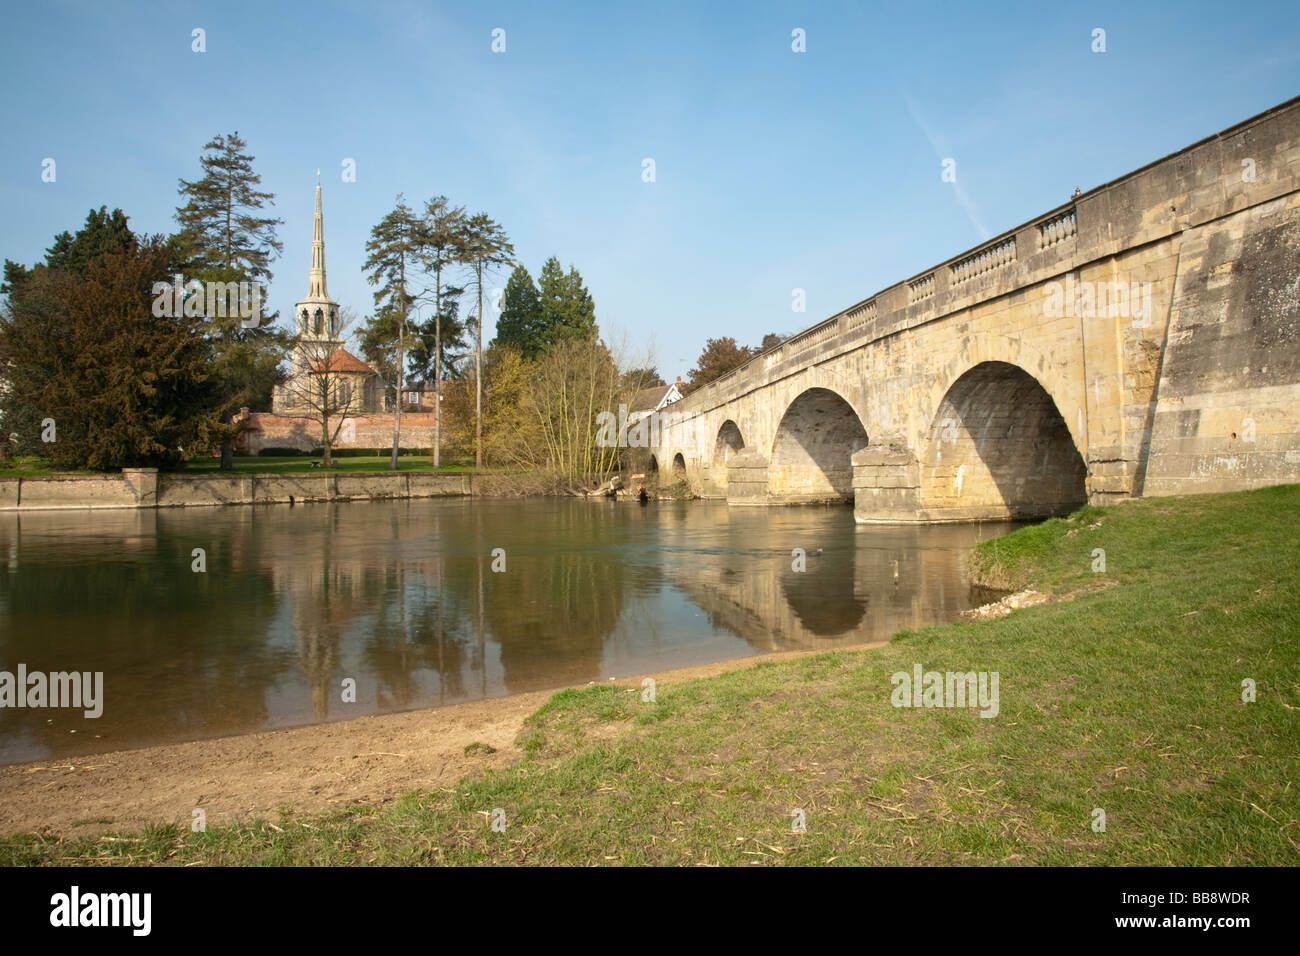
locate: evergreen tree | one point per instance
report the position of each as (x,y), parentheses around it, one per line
(224,239)
(567,310)
(487,248)
(447,335)
(442,246)
(103,233)
(519,326)
(220,224)
(393,260)
(124,382)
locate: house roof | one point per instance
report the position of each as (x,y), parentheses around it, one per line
(649,398)
(342,361)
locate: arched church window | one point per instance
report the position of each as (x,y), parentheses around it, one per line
(345,393)
(334,323)
(302,328)
(320,322)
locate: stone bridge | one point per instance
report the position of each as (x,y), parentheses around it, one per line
(1139,340)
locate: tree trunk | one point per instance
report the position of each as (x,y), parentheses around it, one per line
(478,377)
(227,444)
(397,419)
(437,369)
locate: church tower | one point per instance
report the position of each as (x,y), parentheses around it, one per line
(316,315)
(322,373)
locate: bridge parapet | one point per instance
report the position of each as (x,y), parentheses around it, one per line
(1195,185)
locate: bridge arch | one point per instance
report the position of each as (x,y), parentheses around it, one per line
(1013,351)
(813,449)
(679,467)
(728,443)
(998,446)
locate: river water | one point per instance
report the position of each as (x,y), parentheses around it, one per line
(402,598)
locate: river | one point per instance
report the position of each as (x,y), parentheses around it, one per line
(413,601)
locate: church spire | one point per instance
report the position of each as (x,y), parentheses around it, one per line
(316,281)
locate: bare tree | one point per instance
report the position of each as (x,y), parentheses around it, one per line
(323,383)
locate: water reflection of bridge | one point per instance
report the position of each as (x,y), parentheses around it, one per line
(860,585)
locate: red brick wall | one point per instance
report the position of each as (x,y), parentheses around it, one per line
(268,430)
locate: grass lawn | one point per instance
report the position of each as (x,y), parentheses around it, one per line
(269,465)
(1124,697)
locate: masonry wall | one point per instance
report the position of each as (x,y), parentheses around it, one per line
(1228,406)
(269,430)
(172,491)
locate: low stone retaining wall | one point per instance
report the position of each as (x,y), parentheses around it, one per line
(146,488)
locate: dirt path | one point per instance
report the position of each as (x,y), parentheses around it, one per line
(369,760)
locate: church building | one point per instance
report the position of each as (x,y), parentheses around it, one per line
(324,377)
(322,373)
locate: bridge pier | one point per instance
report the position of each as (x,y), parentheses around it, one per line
(886,484)
(747,479)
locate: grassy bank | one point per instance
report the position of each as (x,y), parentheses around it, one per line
(287,465)
(1126,696)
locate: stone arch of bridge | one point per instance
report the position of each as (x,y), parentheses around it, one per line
(1012,351)
(728,443)
(998,446)
(813,448)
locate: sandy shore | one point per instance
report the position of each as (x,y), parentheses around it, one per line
(369,760)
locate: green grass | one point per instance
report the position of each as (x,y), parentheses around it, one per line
(26,468)
(269,465)
(1126,697)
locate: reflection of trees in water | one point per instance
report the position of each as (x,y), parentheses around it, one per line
(561,596)
(422,625)
(328,594)
(117,595)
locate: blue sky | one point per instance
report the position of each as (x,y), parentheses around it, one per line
(775,170)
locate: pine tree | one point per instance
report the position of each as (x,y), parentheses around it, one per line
(442,246)
(220,224)
(520,324)
(567,310)
(447,335)
(393,261)
(487,247)
(224,238)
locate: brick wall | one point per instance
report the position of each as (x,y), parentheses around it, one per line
(268,430)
